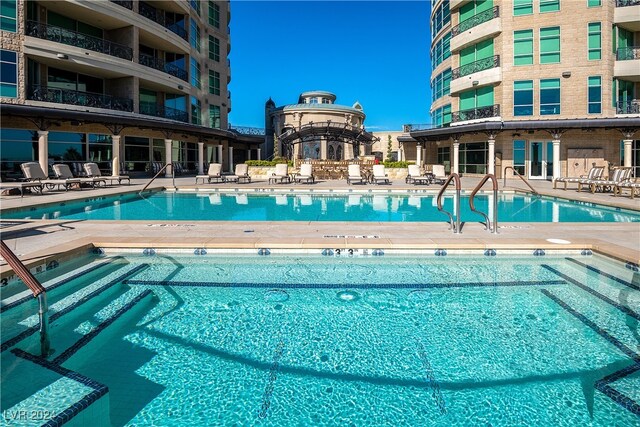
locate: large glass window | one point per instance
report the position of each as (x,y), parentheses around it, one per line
(100,150)
(523,98)
(522,7)
(441,84)
(8,74)
(66,147)
(214,82)
(595,94)
(473,8)
(478,51)
(549,97)
(594,3)
(194,35)
(519,155)
(473,157)
(523,47)
(196,119)
(549,6)
(8,15)
(595,40)
(16,146)
(137,153)
(441,51)
(441,117)
(549,45)
(195,5)
(214,48)
(440,18)
(444,158)
(476,98)
(195,73)
(214,15)
(214,116)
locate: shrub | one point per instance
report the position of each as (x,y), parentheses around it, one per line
(389,164)
(268,162)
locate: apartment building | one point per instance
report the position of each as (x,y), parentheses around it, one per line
(125,83)
(547,87)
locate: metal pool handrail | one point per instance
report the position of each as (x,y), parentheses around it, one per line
(504,181)
(489,223)
(38,292)
(173,177)
(456,226)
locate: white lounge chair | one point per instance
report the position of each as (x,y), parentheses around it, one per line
(33,172)
(439,175)
(92,169)
(63,171)
(379,175)
(305,174)
(241,173)
(21,185)
(633,186)
(214,173)
(355,175)
(619,175)
(281,174)
(595,172)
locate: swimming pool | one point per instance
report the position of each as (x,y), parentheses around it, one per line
(375,207)
(324,340)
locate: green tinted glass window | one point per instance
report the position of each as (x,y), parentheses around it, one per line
(214,48)
(214,82)
(595,41)
(214,15)
(523,98)
(594,87)
(549,97)
(8,74)
(549,45)
(8,15)
(523,47)
(549,6)
(594,3)
(522,7)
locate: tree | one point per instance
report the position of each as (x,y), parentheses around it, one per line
(389,148)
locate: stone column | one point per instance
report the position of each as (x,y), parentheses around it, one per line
(556,158)
(248,153)
(115,158)
(219,155)
(419,154)
(456,157)
(492,156)
(43,150)
(259,154)
(231,159)
(200,158)
(167,154)
(628,144)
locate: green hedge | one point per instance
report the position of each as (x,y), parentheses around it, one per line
(400,165)
(267,162)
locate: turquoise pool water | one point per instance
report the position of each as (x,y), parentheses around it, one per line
(388,340)
(319,207)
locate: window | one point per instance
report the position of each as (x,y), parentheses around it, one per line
(523,47)
(441,117)
(549,6)
(8,16)
(440,19)
(523,98)
(476,98)
(195,5)
(519,151)
(195,35)
(214,48)
(595,41)
(441,51)
(8,74)
(594,3)
(214,82)
(473,157)
(549,97)
(444,158)
(440,85)
(195,111)
(195,73)
(137,153)
(549,45)
(214,15)
(522,7)
(17,146)
(595,94)
(214,116)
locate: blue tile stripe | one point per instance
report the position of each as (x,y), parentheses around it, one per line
(60,283)
(345,286)
(433,383)
(607,275)
(65,416)
(64,356)
(273,376)
(622,400)
(622,308)
(30,331)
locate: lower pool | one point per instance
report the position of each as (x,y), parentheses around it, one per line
(403,339)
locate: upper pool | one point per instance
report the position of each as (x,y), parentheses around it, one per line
(375,207)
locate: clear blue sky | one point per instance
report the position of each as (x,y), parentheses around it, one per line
(374,52)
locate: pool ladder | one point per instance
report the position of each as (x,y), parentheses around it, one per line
(173,177)
(504,182)
(492,226)
(455,226)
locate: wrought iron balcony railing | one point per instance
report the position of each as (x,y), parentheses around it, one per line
(474,67)
(476,20)
(74,97)
(631,106)
(161,65)
(625,3)
(415,127)
(124,3)
(158,16)
(74,38)
(476,113)
(244,130)
(153,109)
(628,53)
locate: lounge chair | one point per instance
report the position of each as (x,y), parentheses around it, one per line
(93,170)
(241,174)
(281,174)
(355,175)
(63,171)
(379,175)
(33,172)
(21,185)
(214,173)
(619,175)
(305,174)
(595,172)
(413,171)
(439,175)
(633,186)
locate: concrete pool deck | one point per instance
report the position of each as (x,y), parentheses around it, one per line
(37,241)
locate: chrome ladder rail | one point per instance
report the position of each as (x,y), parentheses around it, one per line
(456,226)
(504,181)
(173,177)
(492,226)
(36,289)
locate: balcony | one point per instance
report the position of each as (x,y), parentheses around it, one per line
(627,14)
(124,3)
(479,27)
(152,109)
(628,107)
(480,73)
(82,99)
(627,63)
(73,38)
(161,65)
(475,20)
(157,16)
(479,113)
(476,66)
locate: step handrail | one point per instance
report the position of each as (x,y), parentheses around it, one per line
(504,181)
(36,289)
(456,227)
(492,226)
(173,176)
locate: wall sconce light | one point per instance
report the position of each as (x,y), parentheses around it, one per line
(62,56)
(515,135)
(475,83)
(566,74)
(180,87)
